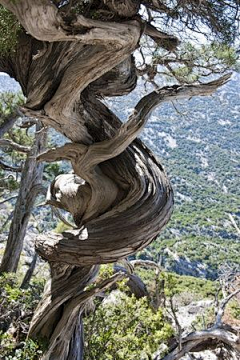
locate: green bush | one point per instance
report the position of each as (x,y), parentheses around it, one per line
(17,306)
(123,327)
(235,309)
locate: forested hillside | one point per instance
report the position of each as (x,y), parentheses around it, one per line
(198,141)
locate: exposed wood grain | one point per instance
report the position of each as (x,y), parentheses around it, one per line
(119,194)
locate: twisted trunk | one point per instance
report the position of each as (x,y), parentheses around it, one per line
(119,195)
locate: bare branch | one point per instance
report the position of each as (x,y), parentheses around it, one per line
(217,332)
(145,263)
(102,151)
(9,143)
(66,152)
(6,167)
(179,328)
(9,199)
(62,218)
(29,273)
(108,149)
(29,123)
(10,216)
(192,340)
(222,306)
(168,42)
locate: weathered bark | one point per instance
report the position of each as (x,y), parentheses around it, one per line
(134,283)
(119,195)
(30,185)
(203,340)
(77,341)
(145,197)
(58,316)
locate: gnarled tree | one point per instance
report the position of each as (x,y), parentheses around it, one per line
(67,56)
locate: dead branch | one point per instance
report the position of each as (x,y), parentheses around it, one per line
(29,273)
(28,123)
(178,325)
(168,42)
(107,149)
(16,169)
(145,263)
(9,199)
(10,216)
(201,340)
(62,218)
(5,143)
(194,339)
(222,306)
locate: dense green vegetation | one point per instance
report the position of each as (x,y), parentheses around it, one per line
(9,28)
(120,327)
(17,306)
(123,327)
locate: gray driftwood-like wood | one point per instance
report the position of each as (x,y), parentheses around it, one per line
(31,180)
(119,195)
(218,334)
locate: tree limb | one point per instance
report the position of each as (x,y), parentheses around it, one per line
(10,168)
(62,218)
(145,263)
(107,149)
(218,332)
(44,22)
(194,339)
(9,143)
(168,42)
(222,306)
(9,199)
(7,124)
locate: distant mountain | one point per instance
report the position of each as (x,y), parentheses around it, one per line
(198,142)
